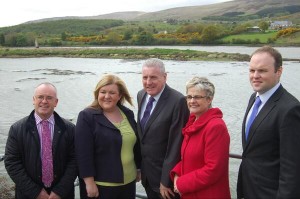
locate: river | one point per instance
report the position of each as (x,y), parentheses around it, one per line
(75,79)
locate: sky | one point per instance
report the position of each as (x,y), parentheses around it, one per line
(14,12)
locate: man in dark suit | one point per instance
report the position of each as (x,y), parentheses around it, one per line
(270,161)
(160,134)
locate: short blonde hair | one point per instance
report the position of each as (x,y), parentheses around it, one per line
(202,84)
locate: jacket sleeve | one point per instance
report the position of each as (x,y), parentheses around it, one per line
(176,171)
(84,145)
(179,118)
(289,176)
(14,166)
(216,162)
(66,182)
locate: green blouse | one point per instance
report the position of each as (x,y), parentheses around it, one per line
(127,155)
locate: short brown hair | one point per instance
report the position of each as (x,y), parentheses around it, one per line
(273,52)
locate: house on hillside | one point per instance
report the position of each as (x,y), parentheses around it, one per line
(253,29)
(163,32)
(277,25)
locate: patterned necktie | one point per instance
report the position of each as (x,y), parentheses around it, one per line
(253,115)
(147,112)
(47,162)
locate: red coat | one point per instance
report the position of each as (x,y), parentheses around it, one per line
(203,169)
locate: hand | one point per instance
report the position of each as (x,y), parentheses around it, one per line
(54,196)
(166,192)
(91,187)
(43,195)
(138,175)
(175,184)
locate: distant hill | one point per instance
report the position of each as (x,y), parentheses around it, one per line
(126,16)
(247,7)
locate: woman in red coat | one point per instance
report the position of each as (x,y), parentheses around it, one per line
(203,169)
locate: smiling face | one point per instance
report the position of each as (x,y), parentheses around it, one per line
(197,101)
(262,74)
(153,80)
(45,100)
(108,97)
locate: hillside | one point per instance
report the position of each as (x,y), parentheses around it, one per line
(247,7)
(208,24)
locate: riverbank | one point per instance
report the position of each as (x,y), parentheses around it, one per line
(124,53)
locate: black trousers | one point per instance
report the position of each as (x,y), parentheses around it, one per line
(151,194)
(109,192)
(71,195)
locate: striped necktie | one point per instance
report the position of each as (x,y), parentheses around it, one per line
(147,112)
(47,161)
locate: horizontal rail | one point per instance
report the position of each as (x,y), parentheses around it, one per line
(141,195)
(236,156)
(231,155)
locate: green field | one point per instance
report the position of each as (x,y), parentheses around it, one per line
(263,37)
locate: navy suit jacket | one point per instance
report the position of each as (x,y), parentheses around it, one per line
(98,146)
(162,137)
(270,166)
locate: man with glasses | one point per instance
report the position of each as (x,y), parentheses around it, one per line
(39,154)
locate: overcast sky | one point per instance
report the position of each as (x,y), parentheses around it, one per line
(14,12)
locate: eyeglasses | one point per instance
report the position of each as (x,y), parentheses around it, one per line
(196,97)
(41,98)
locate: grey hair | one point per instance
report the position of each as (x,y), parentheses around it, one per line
(154,62)
(202,84)
(47,84)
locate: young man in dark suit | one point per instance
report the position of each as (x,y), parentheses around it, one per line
(159,128)
(271,144)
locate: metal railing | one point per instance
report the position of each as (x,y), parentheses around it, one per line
(231,155)
(142,195)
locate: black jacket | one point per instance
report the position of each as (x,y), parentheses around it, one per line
(23,159)
(98,146)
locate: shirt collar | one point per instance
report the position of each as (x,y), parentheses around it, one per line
(266,95)
(38,119)
(156,97)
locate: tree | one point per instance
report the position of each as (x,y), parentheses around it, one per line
(127,35)
(21,40)
(241,28)
(145,38)
(209,34)
(11,39)
(63,36)
(189,28)
(2,39)
(263,25)
(113,38)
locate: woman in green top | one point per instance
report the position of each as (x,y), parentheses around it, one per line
(107,147)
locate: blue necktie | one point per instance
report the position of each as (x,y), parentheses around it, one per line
(147,112)
(253,115)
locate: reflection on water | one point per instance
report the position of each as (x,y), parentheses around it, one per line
(75,79)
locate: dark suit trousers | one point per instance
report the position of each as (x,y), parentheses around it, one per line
(151,194)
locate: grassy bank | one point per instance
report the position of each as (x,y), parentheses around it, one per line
(168,54)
